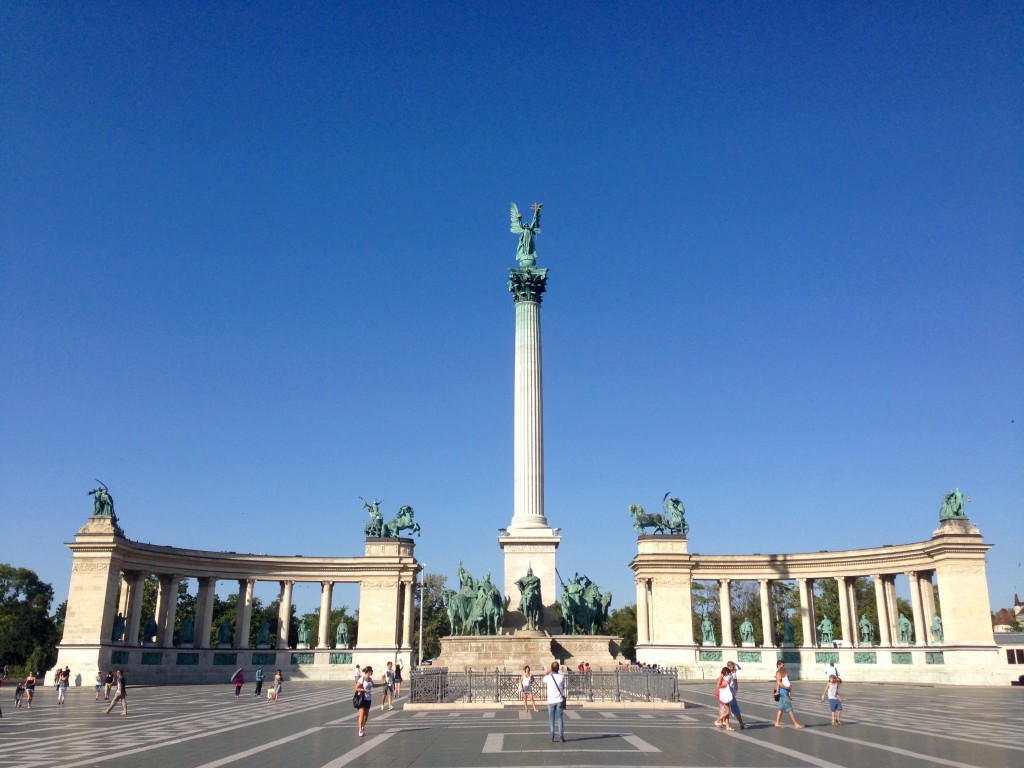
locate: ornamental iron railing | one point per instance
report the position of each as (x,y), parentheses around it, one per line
(440,685)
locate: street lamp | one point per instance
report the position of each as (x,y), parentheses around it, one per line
(423,572)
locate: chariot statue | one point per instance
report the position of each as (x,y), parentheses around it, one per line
(673,521)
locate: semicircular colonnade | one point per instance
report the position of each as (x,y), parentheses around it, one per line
(105,601)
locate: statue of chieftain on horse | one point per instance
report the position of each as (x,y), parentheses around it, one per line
(477,608)
(376,527)
(673,521)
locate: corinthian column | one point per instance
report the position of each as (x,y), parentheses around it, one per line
(529,543)
(528,285)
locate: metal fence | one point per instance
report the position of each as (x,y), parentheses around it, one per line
(441,685)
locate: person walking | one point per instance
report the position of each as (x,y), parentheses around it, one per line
(398,678)
(99,685)
(734,684)
(259,681)
(63,679)
(30,687)
(526,686)
(388,697)
(555,681)
(783,692)
(238,680)
(120,694)
(724,695)
(278,680)
(835,704)
(108,683)
(364,685)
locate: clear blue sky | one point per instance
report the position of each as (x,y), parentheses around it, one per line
(254,263)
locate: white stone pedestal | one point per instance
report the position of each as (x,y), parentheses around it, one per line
(535,549)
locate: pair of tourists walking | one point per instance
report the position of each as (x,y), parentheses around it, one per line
(120,695)
(726,689)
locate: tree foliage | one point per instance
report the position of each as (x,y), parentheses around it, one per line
(28,634)
(622,623)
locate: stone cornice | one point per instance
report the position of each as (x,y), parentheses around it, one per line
(921,556)
(393,559)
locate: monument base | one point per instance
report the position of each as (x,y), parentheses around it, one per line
(525,549)
(521,649)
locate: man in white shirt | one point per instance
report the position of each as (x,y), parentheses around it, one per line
(556,683)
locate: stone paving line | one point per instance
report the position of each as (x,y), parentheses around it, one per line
(202,727)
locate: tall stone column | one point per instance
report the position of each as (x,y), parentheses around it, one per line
(204,610)
(135,614)
(408,614)
(844,610)
(122,602)
(854,610)
(284,616)
(326,588)
(643,621)
(891,606)
(920,628)
(244,618)
(806,587)
(928,601)
(168,601)
(529,542)
(725,609)
(767,624)
(884,634)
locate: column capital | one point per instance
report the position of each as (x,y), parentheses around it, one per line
(527,283)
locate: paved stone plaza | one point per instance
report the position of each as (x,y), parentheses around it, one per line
(314,727)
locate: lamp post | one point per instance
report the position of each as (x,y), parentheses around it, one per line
(423,572)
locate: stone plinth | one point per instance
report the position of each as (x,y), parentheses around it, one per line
(533,549)
(516,651)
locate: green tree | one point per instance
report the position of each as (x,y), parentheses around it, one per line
(622,623)
(28,634)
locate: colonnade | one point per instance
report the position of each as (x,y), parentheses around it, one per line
(952,562)
(922,598)
(108,579)
(130,608)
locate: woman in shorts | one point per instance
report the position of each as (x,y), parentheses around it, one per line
(526,686)
(723,693)
(365,685)
(30,688)
(784,690)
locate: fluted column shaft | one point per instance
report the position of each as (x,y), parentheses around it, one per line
(725,608)
(807,618)
(204,610)
(884,635)
(844,610)
(408,615)
(767,629)
(528,507)
(284,616)
(135,614)
(326,588)
(643,621)
(244,618)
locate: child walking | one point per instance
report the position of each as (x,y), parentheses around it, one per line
(835,704)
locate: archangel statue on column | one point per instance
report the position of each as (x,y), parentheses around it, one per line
(526,253)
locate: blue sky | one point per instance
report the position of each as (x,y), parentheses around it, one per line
(254,262)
